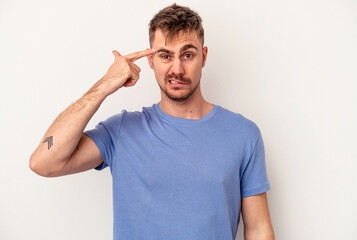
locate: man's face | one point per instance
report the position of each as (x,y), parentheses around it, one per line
(178,64)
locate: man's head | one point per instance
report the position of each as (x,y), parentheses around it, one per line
(177,35)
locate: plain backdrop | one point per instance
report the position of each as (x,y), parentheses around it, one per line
(289,66)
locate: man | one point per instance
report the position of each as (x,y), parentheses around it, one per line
(183,168)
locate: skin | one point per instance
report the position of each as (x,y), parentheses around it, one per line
(181,59)
(66,150)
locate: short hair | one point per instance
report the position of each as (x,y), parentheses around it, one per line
(173,19)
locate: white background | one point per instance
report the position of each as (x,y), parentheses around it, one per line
(290,66)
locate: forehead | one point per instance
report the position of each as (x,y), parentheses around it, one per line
(181,38)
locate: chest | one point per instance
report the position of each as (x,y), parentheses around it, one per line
(173,158)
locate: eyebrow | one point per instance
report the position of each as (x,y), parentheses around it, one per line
(188,46)
(184,48)
(165,51)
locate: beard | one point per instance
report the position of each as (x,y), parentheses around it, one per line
(183,97)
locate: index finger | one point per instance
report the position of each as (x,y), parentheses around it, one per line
(136,55)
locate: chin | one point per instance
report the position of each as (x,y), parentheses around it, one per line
(179,99)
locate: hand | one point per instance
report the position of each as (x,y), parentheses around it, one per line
(123,71)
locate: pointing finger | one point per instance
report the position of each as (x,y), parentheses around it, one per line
(135,56)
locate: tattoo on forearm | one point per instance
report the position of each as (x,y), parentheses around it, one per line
(49,140)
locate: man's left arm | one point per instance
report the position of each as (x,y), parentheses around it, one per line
(256,218)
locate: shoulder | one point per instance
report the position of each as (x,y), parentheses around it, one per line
(115,119)
(136,118)
(237,121)
(129,116)
(138,115)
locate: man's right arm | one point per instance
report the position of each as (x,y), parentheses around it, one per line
(64,148)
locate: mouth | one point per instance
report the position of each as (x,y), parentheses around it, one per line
(175,82)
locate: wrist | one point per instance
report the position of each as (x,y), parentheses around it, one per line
(97,93)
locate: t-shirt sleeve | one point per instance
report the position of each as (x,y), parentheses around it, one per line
(105,135)
(253,173)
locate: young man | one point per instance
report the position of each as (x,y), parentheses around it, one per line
(183,168)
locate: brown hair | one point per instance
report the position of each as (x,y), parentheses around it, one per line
(173,19)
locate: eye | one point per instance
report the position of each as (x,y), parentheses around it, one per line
(165,57)
(188,55)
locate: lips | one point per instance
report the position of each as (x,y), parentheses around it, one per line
(175,81)
(175,84)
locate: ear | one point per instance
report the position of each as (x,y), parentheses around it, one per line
(204,56)
(149,57)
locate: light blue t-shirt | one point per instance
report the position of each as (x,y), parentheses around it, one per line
(176,178)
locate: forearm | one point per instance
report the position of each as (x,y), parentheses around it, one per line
(63,135)
(262,233)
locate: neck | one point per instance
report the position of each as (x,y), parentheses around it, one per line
(196,107)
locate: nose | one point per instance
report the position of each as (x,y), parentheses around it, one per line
(177,68)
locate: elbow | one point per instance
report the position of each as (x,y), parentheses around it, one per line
(38,168)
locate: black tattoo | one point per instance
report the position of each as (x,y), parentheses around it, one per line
(50,141)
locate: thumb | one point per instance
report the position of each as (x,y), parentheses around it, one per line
(116,53)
